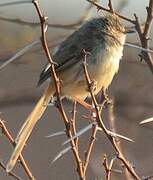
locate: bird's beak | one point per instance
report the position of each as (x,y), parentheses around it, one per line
(129,31)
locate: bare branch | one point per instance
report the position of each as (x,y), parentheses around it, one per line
(99,7)
(90,147)
(145,44)
(101,124)
(110,6)
(12,141)
(10,174)
(57,85)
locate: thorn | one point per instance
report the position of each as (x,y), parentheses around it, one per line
(113,134)
(147,121)
(61,153)
(56,134)
(79,133)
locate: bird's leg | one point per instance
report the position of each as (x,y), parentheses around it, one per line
(105,96)
(83,103)
(92,114)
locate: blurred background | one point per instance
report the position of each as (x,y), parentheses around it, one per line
(131,89)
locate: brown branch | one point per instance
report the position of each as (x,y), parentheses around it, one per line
(101,124)
(110,6)
(99,7)
(90,147)
(57,86)
(73,123)
(144,34)
(12,141)
(149,19)
(108,167)
(10,173)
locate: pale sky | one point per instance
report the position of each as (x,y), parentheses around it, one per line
(60,10)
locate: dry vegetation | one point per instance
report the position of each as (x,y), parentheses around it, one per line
(82,158)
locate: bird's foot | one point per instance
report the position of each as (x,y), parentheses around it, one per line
(106,97)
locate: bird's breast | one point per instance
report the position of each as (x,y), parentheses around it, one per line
(106,65)
(101,71)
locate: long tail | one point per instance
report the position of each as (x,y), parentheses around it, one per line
(28,126)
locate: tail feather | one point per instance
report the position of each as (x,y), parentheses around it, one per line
(28,126)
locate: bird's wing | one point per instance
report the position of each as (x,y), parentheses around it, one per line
(70,51)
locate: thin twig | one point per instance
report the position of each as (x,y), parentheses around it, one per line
(57,86)
(73,123)
(90,147)
(108,167)
(110,6)
(100,7)
(144,42)
(12,141)
(144,34)
(10,173)
(101,124)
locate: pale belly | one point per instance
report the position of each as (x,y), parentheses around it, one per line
(101,72)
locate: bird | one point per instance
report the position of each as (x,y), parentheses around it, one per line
(104,39)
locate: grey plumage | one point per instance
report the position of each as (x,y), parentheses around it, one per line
(89,37)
